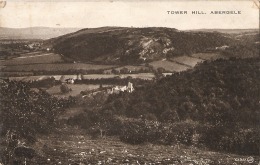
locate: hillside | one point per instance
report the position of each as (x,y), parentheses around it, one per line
(217,100)
(133,45)
(34,32)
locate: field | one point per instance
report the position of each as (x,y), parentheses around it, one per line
(132,68)
(70,145)
(33,58)
(76,89)
(55,67)
(31,53)
(145,76)
(186,60)
(44,61)
(15,74)
(208,56)
(169,66)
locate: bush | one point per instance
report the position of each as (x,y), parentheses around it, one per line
(64,88)
(244,141)
(139,131)
(133,132)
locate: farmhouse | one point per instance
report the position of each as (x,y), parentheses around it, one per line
(117,89)
(110,90)
(70,81)
(222,47)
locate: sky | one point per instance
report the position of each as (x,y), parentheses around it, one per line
(149,13)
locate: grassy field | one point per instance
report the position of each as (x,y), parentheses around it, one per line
(186,60)
(40,58)
(169,66)
(31,53)
(132,68)
(145,76)
(56,67)
(208,56)
(71,145)
(76,89)
(15,74)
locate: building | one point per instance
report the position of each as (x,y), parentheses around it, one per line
(222,47)
(70,81)
(117,89)
(130,87)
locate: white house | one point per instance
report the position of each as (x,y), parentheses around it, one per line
(117,89)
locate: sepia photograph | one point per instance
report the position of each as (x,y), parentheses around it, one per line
(129,82)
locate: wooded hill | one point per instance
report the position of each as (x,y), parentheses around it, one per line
(134,45)
(218,101)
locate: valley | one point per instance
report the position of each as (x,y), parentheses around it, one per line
(121,95)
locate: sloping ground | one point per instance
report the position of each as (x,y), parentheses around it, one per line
(186,60)
(30,54)
(169,66)
(72,146)
(209,56)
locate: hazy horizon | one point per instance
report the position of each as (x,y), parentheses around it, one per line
(127,27)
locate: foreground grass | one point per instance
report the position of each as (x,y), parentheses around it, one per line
(71,145)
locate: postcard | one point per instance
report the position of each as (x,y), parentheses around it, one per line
(129,82)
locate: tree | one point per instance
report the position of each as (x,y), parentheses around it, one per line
(25,113)
(64,88)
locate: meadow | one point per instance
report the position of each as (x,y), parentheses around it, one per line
(145,76)
(169,66)
(208,56)
(186,60)
(38,58)
(55,67)
(75,89)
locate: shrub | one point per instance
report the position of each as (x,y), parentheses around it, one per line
(64,88)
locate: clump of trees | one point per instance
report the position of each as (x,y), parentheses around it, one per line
(24,114)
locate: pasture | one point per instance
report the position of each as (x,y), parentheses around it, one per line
(55,67)
(76,89)
(208,56)
(169,66)
(133,67)
(34,59)
(186,60)
(145,76)
(31,53)
(15,74)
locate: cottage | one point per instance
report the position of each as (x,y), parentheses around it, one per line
(117,89)
(70,81)
(222,47)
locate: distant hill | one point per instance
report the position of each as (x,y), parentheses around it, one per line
(133,45)
(34,32)
(229,31)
